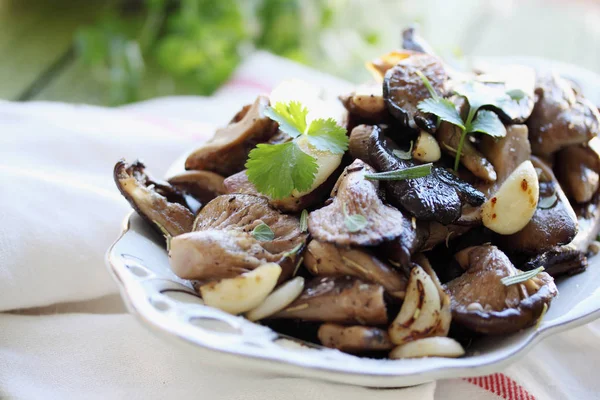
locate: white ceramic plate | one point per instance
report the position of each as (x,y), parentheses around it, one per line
(168,306)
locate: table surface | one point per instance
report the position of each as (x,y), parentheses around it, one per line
(39,63)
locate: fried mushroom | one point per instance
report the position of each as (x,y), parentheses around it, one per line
(354,339)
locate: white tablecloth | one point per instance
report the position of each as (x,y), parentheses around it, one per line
(59,212)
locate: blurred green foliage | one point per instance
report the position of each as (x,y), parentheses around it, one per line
(194,44)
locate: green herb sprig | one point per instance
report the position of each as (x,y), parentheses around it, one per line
(276,170)
(263,233)
(418,171)
(521,277)
(354,222)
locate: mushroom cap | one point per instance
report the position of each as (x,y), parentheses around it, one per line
(354,339)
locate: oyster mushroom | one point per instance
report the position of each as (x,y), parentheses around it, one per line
(578,170)
(403,89)
(438,196)
(482,303)
(342,300)
(222,245)
(561,117)
(506,153)
(202,185)
(564,260)
(326,259)
(227,151)
(552,224)
(355,195)
(354,339)
(426,308)
(159,203)
(366,102)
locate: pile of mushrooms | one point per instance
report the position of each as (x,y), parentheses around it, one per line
(433,261)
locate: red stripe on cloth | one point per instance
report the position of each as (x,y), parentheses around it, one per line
(249,83)
(502,386)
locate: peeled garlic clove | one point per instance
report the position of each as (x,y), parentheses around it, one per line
(244,292)
(327,163)
(282,297)
(426,148)
(429,347)
(420,313)
(513,205)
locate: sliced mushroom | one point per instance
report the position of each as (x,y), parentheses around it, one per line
(160,204)
(425,311)
(326,259)
(202,185)
(403,89)
(429,347)
(553,223)
(449,137)
(564,260)
(354,339)
(227,151)
(438,196)
(561,117)
(342,300)
(506,153)
(578,170)
(222,244)
(355,195)
(482,303)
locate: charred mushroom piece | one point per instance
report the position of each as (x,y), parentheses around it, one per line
(578,170)
(411,40)
(482,303)
(326,259)
(355,195)
(202,185)
(222,245)
(554,222)
(227,151)
(160,204)
(342,300)
(565,260)
(403,89)
(438,196)
(354,339)
(239,183)
(561,117)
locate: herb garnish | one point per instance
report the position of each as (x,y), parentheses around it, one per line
(278,169)
(263,233)
(477,95)
(520,277)
(354,222)
(304,221)
(418,171)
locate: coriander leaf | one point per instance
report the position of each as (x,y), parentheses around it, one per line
(520,277)
(428,85)
(443,108)
(479,95)
(354,222)
(304,221)
(405,155)
(276,170)
(327,135)
(291,117)
(489,123)
(418,171)
(516,94)
(263,233)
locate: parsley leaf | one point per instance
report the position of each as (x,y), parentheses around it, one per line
(489,123)
(263,233)
(327,135)
(276,170)
(444,109)
(291,117)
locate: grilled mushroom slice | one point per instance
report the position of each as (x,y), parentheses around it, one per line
(482,303)
(578,171)
(353,195)
(342,300)
(160,204)
(554,222)
(227,151)
(354,339)
(438,196)
(403,89)
(564,260)
(202,185)
(561,117)
(222,245)
(326,259)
